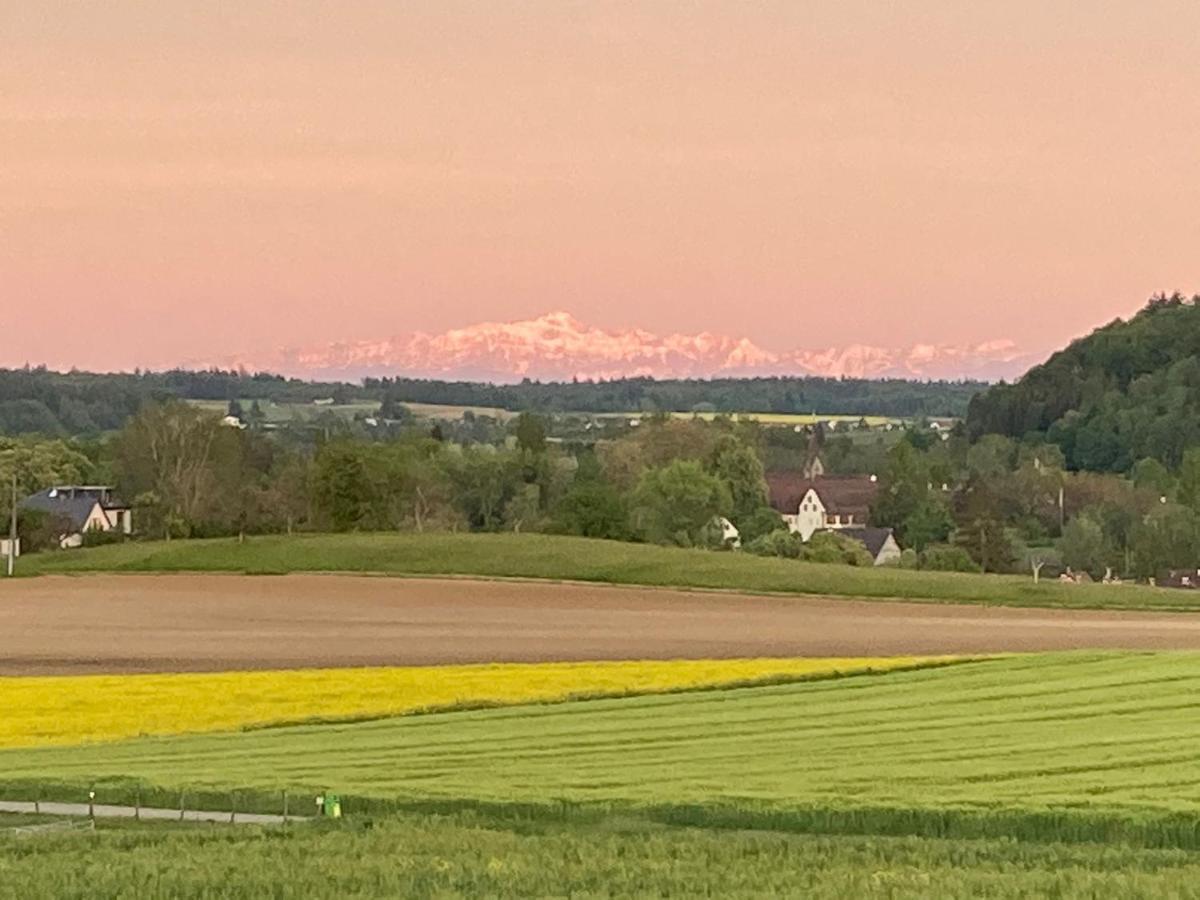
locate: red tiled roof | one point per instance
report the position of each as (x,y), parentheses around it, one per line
(844,495)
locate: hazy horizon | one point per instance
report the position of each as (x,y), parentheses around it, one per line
(189,184)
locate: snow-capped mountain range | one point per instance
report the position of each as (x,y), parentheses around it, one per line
(557,346)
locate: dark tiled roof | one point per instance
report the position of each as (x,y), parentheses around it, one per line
(843,495)
(871,538)
(75,508)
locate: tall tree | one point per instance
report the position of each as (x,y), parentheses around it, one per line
(162,460)
(678,502)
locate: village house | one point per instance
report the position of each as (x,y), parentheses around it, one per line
(840,503)
(80,509)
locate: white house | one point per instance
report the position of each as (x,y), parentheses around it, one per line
(80,509)
(839,503)
(830,501)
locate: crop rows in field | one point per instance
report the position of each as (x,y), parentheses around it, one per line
(1099,731)
(45,711)
(469,855)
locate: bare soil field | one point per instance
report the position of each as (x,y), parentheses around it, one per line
(158,623)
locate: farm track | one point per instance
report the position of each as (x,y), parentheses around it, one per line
(110,811)
(173,623)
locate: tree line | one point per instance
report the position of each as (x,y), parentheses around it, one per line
(36,401)
(189,475)
(996,504)
(782,394)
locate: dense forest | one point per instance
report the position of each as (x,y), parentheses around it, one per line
(38,401)
(1126,393)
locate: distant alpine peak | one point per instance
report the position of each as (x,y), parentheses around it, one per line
(557,346)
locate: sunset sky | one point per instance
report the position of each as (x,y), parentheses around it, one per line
(183,180)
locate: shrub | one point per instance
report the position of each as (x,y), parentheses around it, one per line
(831,547)
(781,543)
(96,538)
(946,558)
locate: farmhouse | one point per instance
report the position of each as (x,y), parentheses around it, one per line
(839,503)
(830,501)
(80,509)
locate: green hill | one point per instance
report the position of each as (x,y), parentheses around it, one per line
(1128,391)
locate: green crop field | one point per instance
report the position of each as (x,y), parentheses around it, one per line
(1051,747)
(482,856)
(1062,775)
(582,559)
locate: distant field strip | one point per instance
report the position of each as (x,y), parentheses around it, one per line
(46,711)
(1084,731)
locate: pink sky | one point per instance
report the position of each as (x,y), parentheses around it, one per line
(185,180)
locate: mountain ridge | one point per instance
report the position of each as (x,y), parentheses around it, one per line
(558,346)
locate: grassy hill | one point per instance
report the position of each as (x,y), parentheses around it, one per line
(581,559)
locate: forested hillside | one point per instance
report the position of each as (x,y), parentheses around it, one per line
(38,401)
(1127,392)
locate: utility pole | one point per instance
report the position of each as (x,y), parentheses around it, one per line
(12,526)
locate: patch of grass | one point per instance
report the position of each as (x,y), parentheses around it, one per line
(472,854)
(1079,747)
(536,556)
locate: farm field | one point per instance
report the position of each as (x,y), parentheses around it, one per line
(75,710)
(469,854)
(98,624)
(536,556)
(279,413)
(1086,746)
(768,418)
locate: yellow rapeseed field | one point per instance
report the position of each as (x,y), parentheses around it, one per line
(42,711)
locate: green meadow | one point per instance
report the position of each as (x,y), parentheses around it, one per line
(537,556)
(1050,747)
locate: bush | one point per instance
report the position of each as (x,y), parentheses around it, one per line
(781,543)
(97,538)
(39,530)
(831,547)
(945,558)
(761,523)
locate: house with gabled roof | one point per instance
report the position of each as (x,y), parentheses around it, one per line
(840,503)
(80,509)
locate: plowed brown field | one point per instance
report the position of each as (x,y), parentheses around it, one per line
(157,623)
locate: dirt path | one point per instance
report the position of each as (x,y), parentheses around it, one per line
(148,623)
(108,811)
